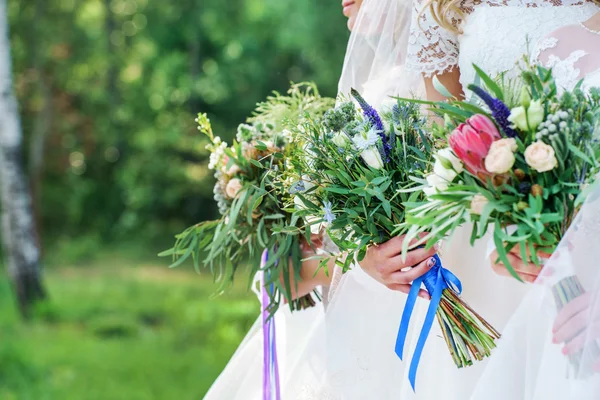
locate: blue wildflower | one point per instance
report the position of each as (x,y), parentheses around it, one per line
(297,187)
(500,111)
(371,114)
(328,216)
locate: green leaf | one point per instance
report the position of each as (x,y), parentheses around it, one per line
(489,83)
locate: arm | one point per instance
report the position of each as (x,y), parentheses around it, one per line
(450,80)
(311,276)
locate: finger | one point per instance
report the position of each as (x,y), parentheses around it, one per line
(597,365)
(585,336)
(413,258)
(500,269)
(521,267)
(393,247)
(405,288)
(540,254)
(408,276)
(571,311)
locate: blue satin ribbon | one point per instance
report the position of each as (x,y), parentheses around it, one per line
(436,280)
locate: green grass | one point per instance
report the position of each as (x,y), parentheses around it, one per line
(115,331)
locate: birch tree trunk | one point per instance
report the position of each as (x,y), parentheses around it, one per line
(18,231)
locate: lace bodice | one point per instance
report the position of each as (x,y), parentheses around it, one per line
(494,34)
(573,53)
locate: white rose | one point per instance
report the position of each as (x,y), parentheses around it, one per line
(440,170)
(509,143)
(478,203)
(437,182)
(372,158)
(448,155)
(541,157)
(233,187)
(535,114)
(518,116)
(499,160)
(340,139)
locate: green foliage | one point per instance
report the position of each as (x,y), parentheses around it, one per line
(540,202)
(93,342)
(111,88)
(359,202)
(251,200)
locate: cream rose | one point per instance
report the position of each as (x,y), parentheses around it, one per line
(541,157)
(233,188)
(499,160)
(233,170)
(509,143)
(478,203)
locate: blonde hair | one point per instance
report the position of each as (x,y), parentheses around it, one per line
(446,12)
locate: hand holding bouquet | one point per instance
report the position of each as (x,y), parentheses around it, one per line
(349,178)
(252,214)
(522,164)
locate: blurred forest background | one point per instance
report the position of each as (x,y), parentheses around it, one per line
(108,91)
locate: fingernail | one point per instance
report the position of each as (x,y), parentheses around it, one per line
(554,338)
(565,351)
(431,262)
(437,246)
(597,367)
(424,296)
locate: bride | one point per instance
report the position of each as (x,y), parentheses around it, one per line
(537,336)
(351,355)
(348,351)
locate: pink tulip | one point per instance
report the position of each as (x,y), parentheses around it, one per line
(472,140)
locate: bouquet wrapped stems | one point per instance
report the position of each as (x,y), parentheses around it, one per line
(467,334)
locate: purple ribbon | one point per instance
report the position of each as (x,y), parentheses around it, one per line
(271,390)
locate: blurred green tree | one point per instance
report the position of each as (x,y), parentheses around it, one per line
(109,90)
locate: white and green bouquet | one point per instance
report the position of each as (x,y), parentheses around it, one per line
(253,217)
(350,179)
(517,160)
(519,157)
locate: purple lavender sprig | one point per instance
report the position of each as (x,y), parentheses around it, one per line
(500,111)
(371,114)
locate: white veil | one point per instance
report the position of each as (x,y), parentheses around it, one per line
(376,53)
(573,273)
(313,355)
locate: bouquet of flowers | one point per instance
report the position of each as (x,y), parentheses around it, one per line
(520,158)
(521,161)
(253,218)
(348,179)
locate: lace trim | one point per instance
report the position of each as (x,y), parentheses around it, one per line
(435,50)
(545,44)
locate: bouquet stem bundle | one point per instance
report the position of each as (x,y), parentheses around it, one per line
(468,335)
(565,291)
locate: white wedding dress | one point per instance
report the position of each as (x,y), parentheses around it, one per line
(527,357)
(347,352)
(351,356)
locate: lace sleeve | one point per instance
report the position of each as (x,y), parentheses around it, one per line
(431,48)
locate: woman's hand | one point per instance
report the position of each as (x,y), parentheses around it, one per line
(311,276)
(384,264)
(526,270)
(577,325)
